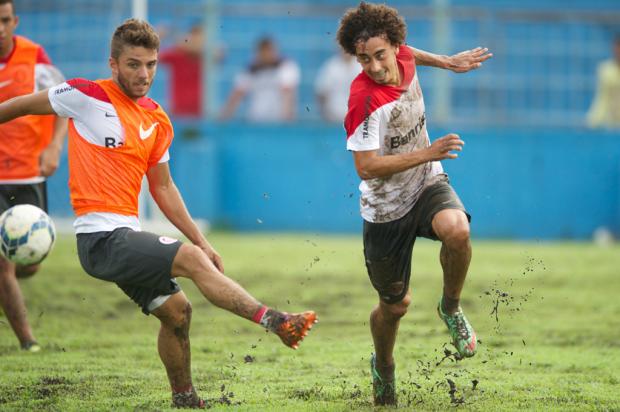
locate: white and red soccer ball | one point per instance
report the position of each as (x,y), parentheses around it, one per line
(27,234)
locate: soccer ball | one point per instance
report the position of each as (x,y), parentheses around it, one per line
(27,234)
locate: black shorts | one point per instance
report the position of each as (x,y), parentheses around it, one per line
(388,246)
(138,262)
(23,194)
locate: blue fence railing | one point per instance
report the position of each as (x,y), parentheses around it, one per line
(523,184)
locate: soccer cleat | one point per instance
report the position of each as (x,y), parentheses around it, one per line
(189,400)
(294,327)
(383,387)
(32,347)
(463,335)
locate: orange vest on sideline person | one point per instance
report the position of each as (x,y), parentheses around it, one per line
(22,139)
(108,179)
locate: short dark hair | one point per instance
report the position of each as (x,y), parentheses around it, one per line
(135,33)
(370,20)
(3,2)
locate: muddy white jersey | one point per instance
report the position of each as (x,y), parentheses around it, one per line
(392,121)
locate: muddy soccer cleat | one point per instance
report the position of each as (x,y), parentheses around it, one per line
(293,327)
(463,335)
(383,384)
(188,400)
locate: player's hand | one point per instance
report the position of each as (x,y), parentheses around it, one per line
(49,160)
(213,255)
(441,148)
(468,60)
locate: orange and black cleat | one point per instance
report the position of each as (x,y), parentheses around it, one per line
(294,327)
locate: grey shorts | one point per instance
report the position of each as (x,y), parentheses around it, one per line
(27,194)
(388,246)
(138,262)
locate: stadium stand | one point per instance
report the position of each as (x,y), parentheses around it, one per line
(542,78)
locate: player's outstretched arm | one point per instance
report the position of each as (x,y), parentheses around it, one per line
(170,202)
(370,165)
(50,156)
(459,63)
(35,103)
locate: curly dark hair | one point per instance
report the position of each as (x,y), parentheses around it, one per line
(135,33)
(370,20)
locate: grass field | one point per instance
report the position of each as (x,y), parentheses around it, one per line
(547,315)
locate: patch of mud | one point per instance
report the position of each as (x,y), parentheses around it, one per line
(307,394)
(226,397)
(51,386)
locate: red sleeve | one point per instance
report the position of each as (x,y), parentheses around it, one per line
(89,88)
(366,97)
(42,57)
(361,105)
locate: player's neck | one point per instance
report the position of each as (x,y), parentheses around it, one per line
(396,81)
(120,86)
(9,49)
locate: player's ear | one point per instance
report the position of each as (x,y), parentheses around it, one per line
(113,63)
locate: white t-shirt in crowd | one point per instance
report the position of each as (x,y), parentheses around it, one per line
(264,88)
(334,81)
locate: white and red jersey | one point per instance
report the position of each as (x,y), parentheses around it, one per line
(112,142)
(390,120)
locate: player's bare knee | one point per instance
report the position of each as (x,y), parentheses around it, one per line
(396,310)
(177,316)
(26,271)
(457,235)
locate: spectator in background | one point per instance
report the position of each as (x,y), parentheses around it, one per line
(184,60)
(332,85)
(605,109)
(270,82)
(29,152)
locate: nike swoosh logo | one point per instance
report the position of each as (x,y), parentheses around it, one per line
(5,83)
(145,134)
(110,115)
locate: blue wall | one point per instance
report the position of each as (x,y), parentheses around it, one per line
(523,184)
(543,71)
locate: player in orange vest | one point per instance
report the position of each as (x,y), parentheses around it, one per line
(29,152)
(116,136)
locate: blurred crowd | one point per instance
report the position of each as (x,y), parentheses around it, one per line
(269,83)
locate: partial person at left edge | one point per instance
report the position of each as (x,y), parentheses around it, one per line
(29,152)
